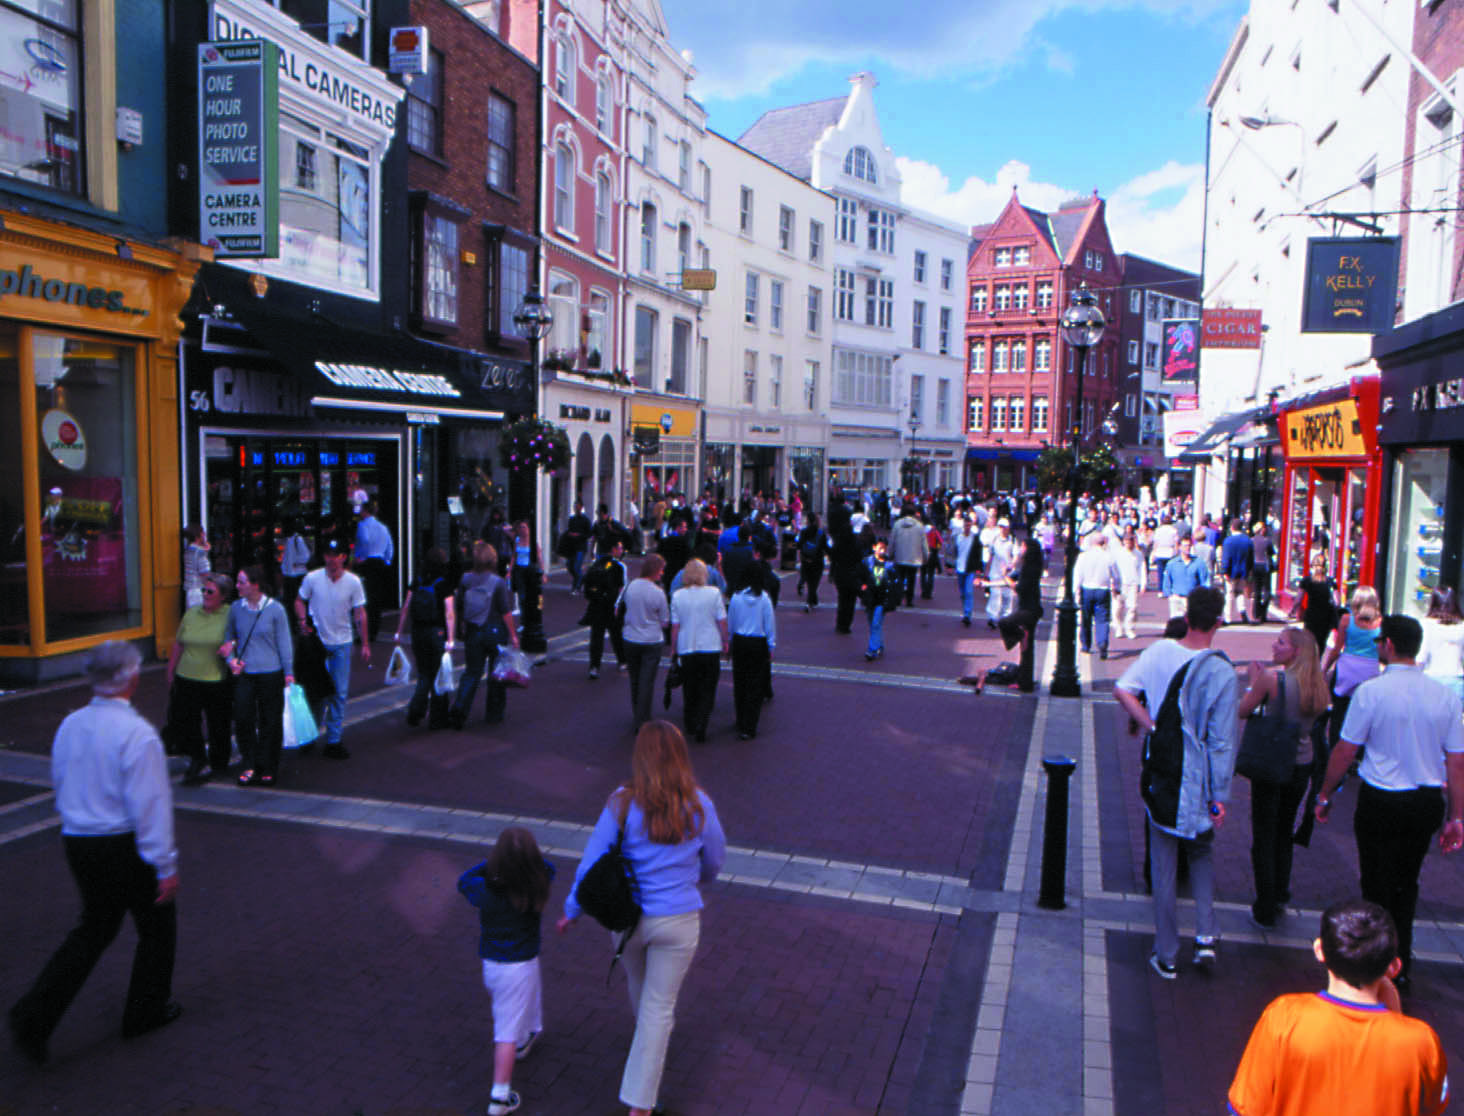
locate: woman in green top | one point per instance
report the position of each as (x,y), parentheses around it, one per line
(199,685)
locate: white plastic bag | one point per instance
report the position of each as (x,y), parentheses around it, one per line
(288,737)
(398,668)
(512,668)
(446,683)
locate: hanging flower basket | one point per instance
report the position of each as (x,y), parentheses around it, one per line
(531,444)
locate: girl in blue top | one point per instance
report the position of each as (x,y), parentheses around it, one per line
(510,889)
(1353,650)
(877,575)
(754,635)
(673,841)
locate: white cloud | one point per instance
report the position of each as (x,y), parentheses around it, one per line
(1158,214)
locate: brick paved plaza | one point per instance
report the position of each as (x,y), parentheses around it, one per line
(874,944)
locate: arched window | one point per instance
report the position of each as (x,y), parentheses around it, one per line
(563,187)
(564,310)
(648,153)
(602,212)
(604,104)
(648,237)
(566,71)
(859,163)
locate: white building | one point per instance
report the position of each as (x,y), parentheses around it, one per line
(836,145)
(767,327)
(930,326)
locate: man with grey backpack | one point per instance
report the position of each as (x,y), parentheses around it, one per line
(1188,716)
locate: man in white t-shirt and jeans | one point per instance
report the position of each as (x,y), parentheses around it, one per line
(330,600)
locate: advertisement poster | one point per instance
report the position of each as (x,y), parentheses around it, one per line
(1180,355)
(238,148)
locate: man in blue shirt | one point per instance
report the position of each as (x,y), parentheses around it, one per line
(1183,574)
(1237,556)
(374,555)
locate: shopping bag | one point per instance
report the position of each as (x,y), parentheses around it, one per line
(398,668)
(445,683)
(300,726)
(512,668)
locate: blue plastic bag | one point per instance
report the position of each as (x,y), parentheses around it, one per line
(300,726)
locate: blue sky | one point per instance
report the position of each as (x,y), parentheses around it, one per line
(1059,97)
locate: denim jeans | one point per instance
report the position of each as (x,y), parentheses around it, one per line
(1164,857)
(338,664)
(481,648)
(644,660)
(575,559)
(1096,603)
(968,595)
(876,630)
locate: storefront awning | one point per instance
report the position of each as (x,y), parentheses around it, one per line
(974,453)
(1221,431)
(392,373)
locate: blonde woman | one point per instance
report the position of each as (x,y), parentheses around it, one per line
(698,640)
(674,842)
(1353,650)
(1273,805)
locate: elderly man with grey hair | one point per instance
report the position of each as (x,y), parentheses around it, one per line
(116,807)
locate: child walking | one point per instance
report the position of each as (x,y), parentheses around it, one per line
(510,889)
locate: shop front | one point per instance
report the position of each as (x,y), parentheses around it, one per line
(1421,429)
(301,428)
(1001,470)
(663,454)
(593,417)
(1332,486)
(863,459)
(90,546)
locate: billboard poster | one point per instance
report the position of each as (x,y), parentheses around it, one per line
(1180,350)
(1351,284)
(238,148)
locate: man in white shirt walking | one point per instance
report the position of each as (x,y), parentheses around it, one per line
(1130,565)
(1097,578)
(330,599)
(116,809)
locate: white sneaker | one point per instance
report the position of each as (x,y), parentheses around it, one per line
(504,1107)
(521,1051)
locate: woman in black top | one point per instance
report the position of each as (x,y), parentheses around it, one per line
(1019,627)
(812,543)
(1317,604)
(429,609)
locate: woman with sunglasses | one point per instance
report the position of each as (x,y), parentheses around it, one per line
(197,685)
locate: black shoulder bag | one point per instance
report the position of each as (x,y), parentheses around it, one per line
(1268,744)
(609,894)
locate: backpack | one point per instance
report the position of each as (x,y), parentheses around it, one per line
(1162,770)
(814,546)
(425,609)
(599,582)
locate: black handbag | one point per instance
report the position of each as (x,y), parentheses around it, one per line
(1268,744)
(673,679)
(609,894)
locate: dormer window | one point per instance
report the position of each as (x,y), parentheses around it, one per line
(859,163)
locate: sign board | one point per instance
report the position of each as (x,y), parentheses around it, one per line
(1180,350)
(1351,284)
(1186,402)
(698,279)
(238,148)
(1180,429)
(1329,430)
(1228,328)
(407,53)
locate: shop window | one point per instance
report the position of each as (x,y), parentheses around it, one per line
(43,141)
(326,203)
(424,108)
(86,405)
(1420,482)
(501,113)
(14,601)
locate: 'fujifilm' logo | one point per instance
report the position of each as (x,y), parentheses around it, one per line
(28,284)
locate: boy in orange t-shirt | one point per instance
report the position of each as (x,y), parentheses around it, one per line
(1349,1049)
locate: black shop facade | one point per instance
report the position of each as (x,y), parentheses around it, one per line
(292,422)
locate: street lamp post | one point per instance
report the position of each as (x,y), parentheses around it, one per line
(535,322)
(1082,327)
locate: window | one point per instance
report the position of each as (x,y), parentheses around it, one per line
(1154,310)
(919,267)
(881,230)
(998,414)
(500,143)
(599,321)
(1130,405)
(604,104)
(349,26)
(976,358)
(683,167)
(563,187)
(683,247)
(879,302)
(945,331)
(566,70)
(917,398)
(603,223)
(974,418)
(1097,261)
(917,326)
(947,274)
(848,220)
(424,107)
(1169,307)
(775,304)
(564,307)
(648,237)
(859,163)
(1016,407)
(844,295)
(942,403)
(648,152)
(508,282)
(815,241)
(1002,258)
(744,213)
(810,385)
(1042,355)
(1019,296)
(326,202)
(1151,354)
(978,300)
(1039,415)
(1133,352)
(815,310)
(863,379)
(749,304)
(775,381)
(999,351)
(1019,356)
(1003,297)
(437,271)
(1136,302)
(1021,257)
(749,377)
(677,382)
(706,186)
(645,348)
(1044,294)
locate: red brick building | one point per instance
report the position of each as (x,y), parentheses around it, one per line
(1020,374)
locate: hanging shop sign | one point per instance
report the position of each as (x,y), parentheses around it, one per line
(682,424)
(1330,430)
(1180,429)
(1181,350)
(1228,328)
(1351,284)
(407,50)
(238,148)
(63,438)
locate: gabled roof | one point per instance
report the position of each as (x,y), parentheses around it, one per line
(785,136)
(1066,225)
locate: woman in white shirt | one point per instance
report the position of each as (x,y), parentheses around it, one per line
(1442,657)
(699,640)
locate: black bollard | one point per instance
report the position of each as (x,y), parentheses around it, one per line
(531,613)
(1055,831)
